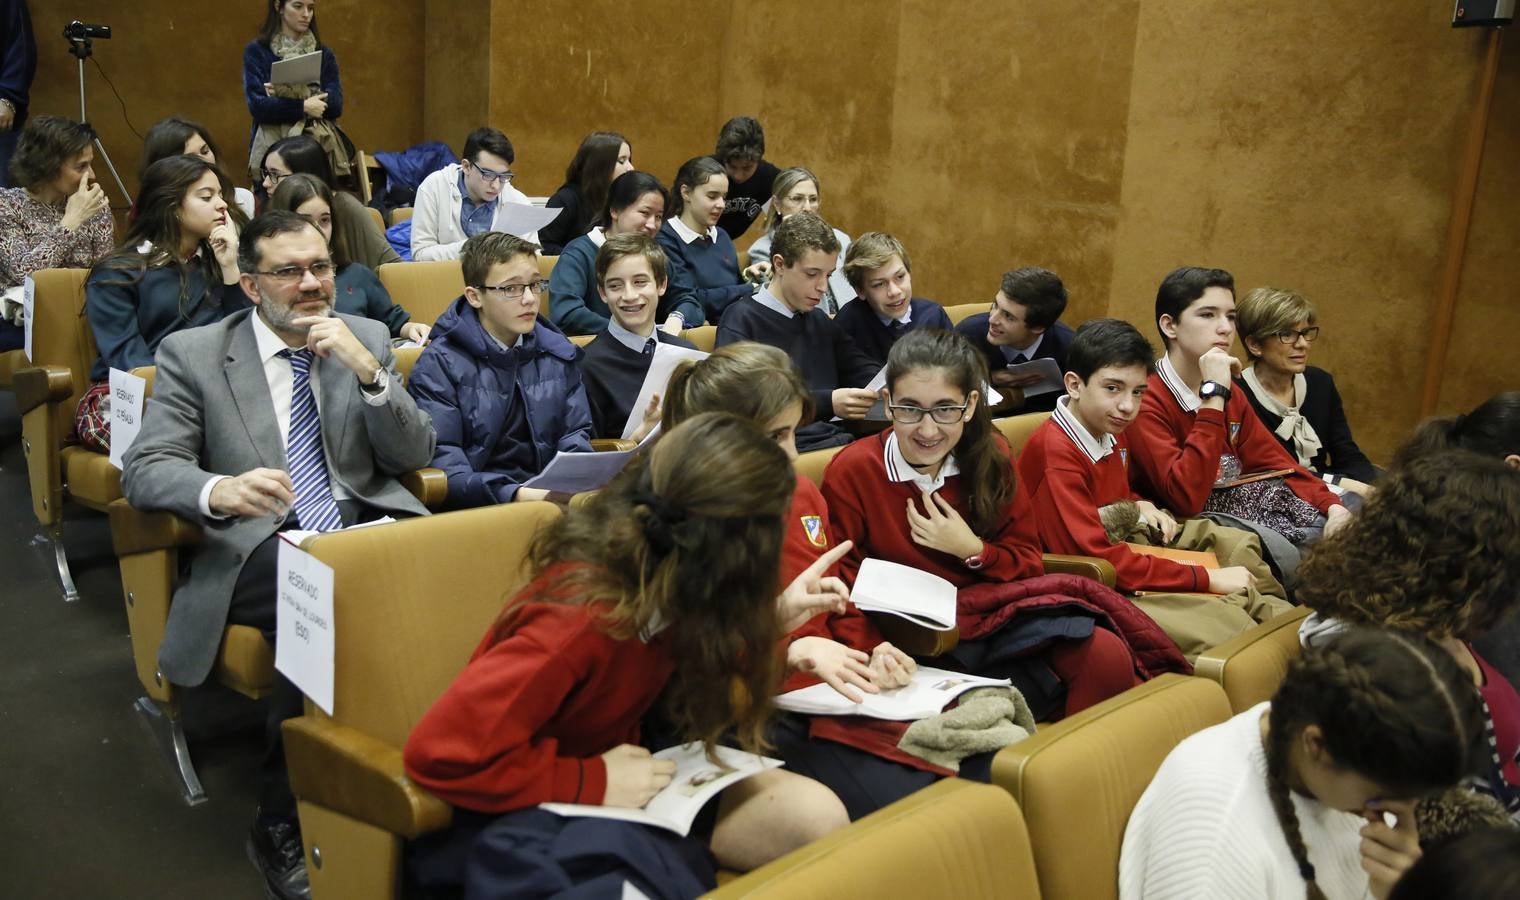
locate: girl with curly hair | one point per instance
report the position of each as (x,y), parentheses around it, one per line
(1313,792)
(1436,550)
(662,587)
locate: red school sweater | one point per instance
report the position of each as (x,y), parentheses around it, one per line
(805,539)
(1067,489)
(527,720)
(867,507)
(1176,452)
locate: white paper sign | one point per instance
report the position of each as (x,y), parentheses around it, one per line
(28,306)
(303,643)
(666,358)
(126,397)
(574,473)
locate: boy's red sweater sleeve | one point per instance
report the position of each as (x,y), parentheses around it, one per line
(478,747)
(1176,475)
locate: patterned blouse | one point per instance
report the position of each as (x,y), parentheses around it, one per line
(31,238)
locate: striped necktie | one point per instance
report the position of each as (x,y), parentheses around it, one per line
(315,508)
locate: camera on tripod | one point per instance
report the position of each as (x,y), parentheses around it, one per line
(79,31)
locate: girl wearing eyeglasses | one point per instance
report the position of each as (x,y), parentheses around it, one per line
(937,492)
(363,239)
(1296,401)
(636,204)
(176,269)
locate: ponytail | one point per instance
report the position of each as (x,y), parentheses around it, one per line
(1492,429)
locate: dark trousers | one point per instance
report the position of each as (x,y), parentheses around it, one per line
(253,604)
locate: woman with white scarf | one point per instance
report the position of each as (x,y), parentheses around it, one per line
(1296,401)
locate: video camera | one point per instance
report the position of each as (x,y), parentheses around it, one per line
(78,31)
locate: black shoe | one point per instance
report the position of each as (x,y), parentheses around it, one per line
(274,847)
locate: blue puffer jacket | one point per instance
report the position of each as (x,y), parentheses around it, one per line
(468,384)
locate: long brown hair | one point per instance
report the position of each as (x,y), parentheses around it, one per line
(164,187)
(294,190)
(981,453)
(754,381)
(1436,549)
(691,552)
(1392,706)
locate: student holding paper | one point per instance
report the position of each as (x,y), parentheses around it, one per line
(635,205)
(290,30)
(661,588)
(470,197)
(630,276)
(937,492)
(878,268)
(1023,325)
(1195,431)
(1076,469)
(501,383)
(177,268)
(785,314)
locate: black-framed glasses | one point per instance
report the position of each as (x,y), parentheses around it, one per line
(515,291)
(912,415)
(274,177)
(491,176)
(1292,335)
(322,270)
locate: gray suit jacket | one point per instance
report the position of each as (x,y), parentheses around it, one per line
(211,414)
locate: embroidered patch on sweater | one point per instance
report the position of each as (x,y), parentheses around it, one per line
(813,527)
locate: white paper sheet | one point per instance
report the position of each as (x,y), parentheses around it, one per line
(303,644)
(912,593)
(666,358)
(574,473)
(522,219)
(930,691)
(126,393)
(1046,368)
(28,308)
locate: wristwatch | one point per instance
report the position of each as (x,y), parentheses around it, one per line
(1211,389)
(974,562)
(382,378)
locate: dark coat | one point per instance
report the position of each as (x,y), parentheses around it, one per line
(501,415)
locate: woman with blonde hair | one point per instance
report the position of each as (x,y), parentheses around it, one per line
(796,190)
(1296,401)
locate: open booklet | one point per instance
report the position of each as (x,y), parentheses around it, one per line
(661,367)
(295,535)
(914,594)
(696,781)
(1048,370)
(930,691)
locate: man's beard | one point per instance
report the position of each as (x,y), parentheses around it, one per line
(280,318)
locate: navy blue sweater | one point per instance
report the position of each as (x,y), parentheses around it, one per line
(131,317)
(613,375)
(267,110)
(576,307)
(860,322)
(1057,341)
(711,269)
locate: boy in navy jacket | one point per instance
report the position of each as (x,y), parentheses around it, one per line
(784,314)
(630,277)
(501,384)
(878,268)
(1023,325)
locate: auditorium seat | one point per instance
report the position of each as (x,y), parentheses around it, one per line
(423,289)
(411,601)
(1252,664)
(47,393)
(378,219)
(401,214)
(1077,780)
(704,337)
(955,840)
(963,311)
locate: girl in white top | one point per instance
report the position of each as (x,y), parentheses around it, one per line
(796,190)
(1313,793)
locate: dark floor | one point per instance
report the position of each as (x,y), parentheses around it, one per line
(88,806)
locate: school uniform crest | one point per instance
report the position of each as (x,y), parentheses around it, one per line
(1234,431)
(1124,457)
(812,526)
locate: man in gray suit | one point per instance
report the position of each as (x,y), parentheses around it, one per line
(288,415)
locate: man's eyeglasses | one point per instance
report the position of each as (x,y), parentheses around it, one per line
(912,415)
(322,270)
(515,291)
(1291,335)
(490,176)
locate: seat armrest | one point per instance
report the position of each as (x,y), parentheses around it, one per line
(135,531)
(430,486)
(912,638)
(1099,570)
(600,445)
(37,385)
(360,776)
